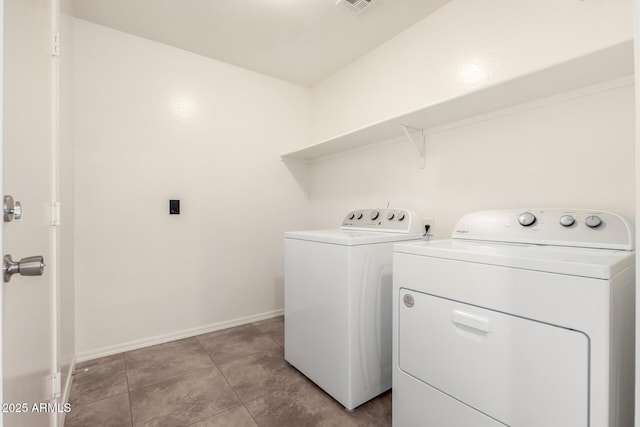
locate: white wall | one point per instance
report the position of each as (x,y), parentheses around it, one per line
(576,153)
(463,46)
(154,123)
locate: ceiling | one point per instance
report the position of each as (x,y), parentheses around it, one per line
(301,41)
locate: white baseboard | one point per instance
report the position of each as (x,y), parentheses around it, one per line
(160,339)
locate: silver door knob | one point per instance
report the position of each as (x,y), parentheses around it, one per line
(12,210)
(30,266)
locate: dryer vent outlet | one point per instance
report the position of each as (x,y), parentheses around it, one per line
(356,6)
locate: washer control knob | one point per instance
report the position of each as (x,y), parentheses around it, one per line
(526,219)
(593,221)
(567,220)
(352,215)
(374,215)
(390,216)
(401,216)
(359,215)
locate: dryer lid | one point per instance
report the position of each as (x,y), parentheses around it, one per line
(575,261)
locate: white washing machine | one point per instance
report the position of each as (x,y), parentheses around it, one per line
(522,318)
(337,302)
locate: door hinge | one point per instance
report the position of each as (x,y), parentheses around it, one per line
(55,214)
(56,385)
(55,49)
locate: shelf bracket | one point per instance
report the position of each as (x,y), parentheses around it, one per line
(418,141)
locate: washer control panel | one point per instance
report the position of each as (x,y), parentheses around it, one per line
(383,219)
(559,227)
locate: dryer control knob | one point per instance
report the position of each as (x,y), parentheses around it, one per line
(390,216)
(359,215)
(352,215)
(593,221)
(401,216)
(567,220)
(374,215)
(526,219)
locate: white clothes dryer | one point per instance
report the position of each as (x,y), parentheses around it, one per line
(337,302)
(522,318)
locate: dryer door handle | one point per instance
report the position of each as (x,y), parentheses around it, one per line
(470,322)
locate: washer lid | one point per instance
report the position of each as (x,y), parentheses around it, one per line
(584,262)
(350,238)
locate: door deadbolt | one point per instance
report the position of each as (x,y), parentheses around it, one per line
(12,210)
(30,266)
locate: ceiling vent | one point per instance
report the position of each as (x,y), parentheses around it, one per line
(355,5)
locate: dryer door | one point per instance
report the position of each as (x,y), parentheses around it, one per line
(518,371)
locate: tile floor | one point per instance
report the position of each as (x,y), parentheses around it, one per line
(235,377)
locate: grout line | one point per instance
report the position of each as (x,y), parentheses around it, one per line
(89,403)
(250,414)
(88,369)
(178,375)
(126,374)
(227,381)
(243,403)
(240,403)
(214,415)
(221,373)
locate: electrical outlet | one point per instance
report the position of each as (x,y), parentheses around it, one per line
(431,223)
(174,207)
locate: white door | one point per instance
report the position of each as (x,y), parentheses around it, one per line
(28,321)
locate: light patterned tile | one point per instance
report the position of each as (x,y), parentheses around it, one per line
(98,382)
(157,363)
(235,343)
(374,413)
(299,404)
(236,417)
(274,328)
(259,374)
(183,400)
(110,412)
(198,394)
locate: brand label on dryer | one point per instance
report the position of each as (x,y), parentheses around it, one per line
(408,300)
